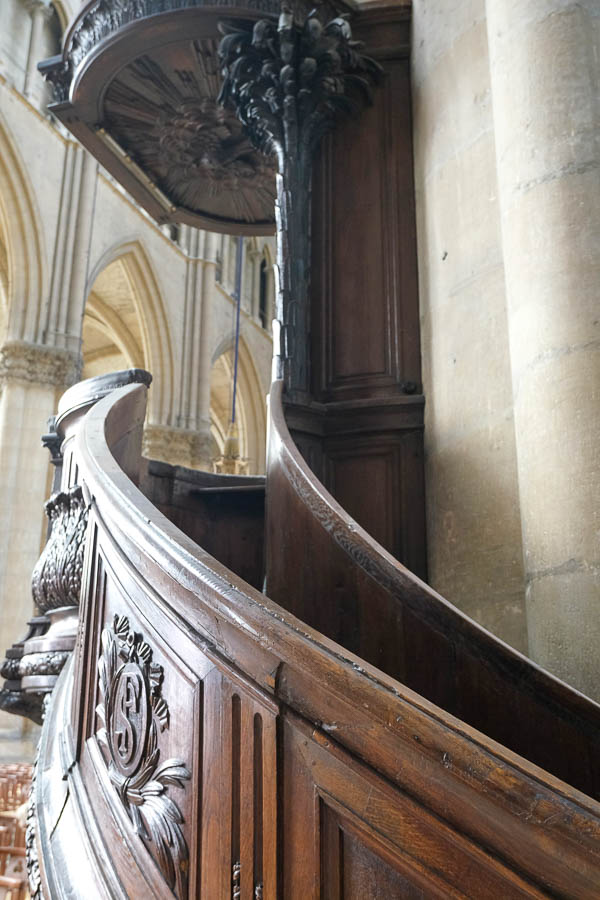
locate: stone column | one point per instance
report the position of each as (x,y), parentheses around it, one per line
(253,289)
(32,378)
(207,300)
(188,444)
(474,541)
(545,76)
(63,313)
(40,12)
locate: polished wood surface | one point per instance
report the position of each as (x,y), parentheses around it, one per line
(361,432)
(360,596)
(224,514)
(348,733)
(311,773)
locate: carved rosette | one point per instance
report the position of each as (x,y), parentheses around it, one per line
(288,84)
(56,579)
(133,713)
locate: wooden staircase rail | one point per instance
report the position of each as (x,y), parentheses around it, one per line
(356,593)
(309,772)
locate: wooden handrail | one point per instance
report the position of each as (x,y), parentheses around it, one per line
(423,641)
(284,734)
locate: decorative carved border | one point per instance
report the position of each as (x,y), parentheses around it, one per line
(106,17)
(133,712)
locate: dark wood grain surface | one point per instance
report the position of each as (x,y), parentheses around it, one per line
(316,772)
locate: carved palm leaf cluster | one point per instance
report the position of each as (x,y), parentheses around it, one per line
(56,579)
(288,82)
(133,713)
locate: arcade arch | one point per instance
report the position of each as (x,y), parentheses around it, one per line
(250,406)
(3,288)
(124,324)
(22,249)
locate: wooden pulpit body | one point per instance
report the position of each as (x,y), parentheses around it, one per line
(265,699)
(267,760)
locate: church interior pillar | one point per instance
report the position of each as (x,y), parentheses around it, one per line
(40,11)
(474,538)
(545,72)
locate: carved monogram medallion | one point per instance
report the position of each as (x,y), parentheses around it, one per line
(129,713)
(133,713)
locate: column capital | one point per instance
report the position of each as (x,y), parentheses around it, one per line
(177,446)
(288,83)
(43,7)
(28,363)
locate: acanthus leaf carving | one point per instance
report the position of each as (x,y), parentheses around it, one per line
(56,579)
(289,82)
(133,714)
(32,665)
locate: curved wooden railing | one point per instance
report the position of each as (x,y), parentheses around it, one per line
(356,593)
(214,745)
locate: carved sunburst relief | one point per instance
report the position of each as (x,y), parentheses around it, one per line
(133,713)
(164,113)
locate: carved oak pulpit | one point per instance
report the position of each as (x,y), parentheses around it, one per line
(263,698)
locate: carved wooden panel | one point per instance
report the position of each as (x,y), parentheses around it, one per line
(379,481)
(177,749)
(239,811)
(349,835)
(365,305)
(141,727)
(370,457)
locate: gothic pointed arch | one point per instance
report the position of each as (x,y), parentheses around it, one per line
(144,341)
(23,246)
(3,288)
(250,403)
(65,10)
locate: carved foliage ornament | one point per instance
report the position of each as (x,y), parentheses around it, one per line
(56,579)
(289,82)
(201,141)
(105,17)
(133,713)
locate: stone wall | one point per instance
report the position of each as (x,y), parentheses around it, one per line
(506,136)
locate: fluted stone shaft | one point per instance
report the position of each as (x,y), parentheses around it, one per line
(545,77)
(40,11)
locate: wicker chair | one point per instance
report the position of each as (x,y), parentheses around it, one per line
(15,782)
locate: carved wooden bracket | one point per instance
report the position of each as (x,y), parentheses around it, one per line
(56,579)
(33,664)
(288,83)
